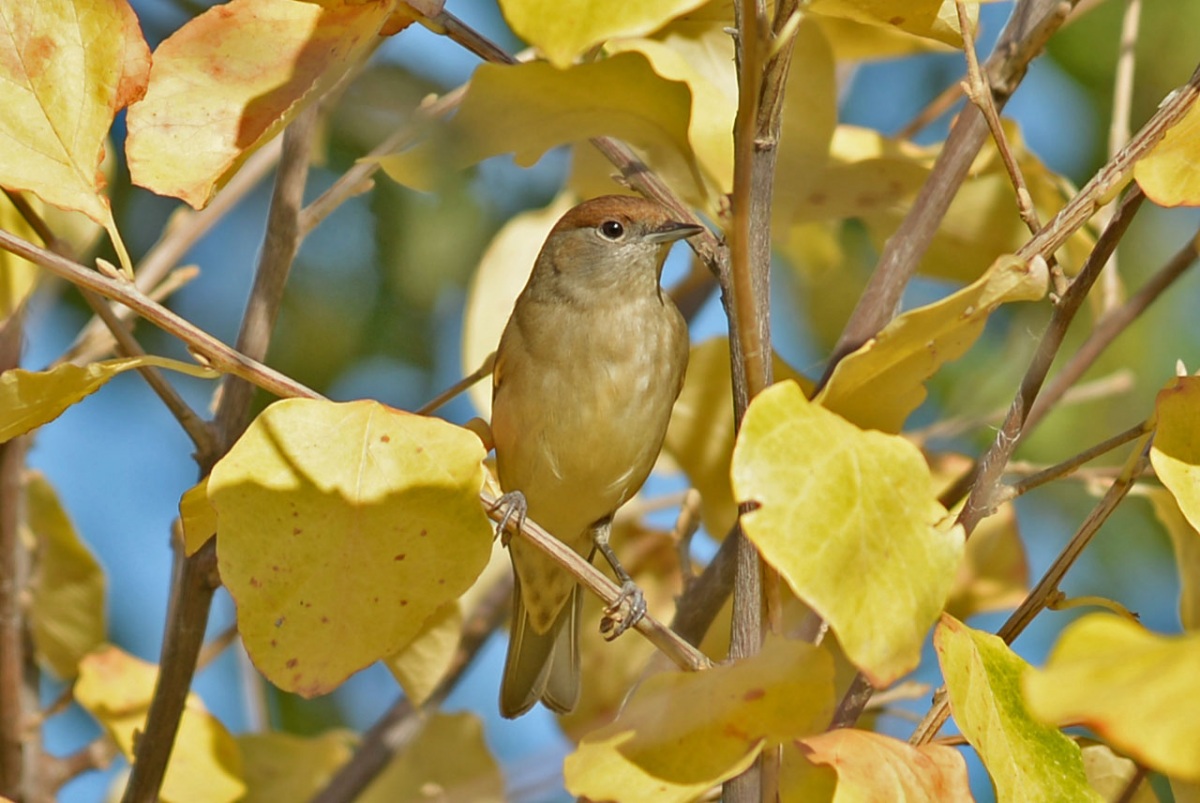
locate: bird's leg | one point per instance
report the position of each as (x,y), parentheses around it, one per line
(630,605)
(515,509)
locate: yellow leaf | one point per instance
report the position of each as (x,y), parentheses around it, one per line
(526,109)
(341,528)
(205,766)
(565,29)
(67,614)
(503,271)
(879,385)
(1133,687)
(197,517)
(73,65)
(681,733)
(283,766)
(421,664)
(836,502)
(30,399)
(856,41)
(1168,173)
(449,761)
(700,435)
(1186,542)
(934,19)
(1110,774)
(232,78)
(871,767)
(1175,453)
(1026,759)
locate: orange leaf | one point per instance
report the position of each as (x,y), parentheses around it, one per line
(231,79)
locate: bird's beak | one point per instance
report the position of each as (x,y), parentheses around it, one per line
(671,231)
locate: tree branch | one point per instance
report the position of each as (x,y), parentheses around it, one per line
(197,578)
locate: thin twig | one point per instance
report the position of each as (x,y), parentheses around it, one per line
(980,502)
(664,638)
(1110,326)
(1118,133)
(980,93)
(16,780)
(1069,465)
(480,373)
(192,424)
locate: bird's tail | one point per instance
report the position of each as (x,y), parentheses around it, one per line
(542,666)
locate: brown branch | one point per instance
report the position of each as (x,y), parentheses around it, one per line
(1030,26)
(16,781)
(192,424)
(664,638)
(1068,466)
(197,579)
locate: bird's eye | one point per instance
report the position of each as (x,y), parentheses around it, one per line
(612,230)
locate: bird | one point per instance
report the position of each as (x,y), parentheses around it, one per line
(587,371)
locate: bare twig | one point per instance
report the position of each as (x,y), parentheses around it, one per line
(980,93)
(1109,327)
(981,501)
(17,753)
(1069,465)
(1118,133)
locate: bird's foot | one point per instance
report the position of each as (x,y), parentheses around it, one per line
(514,509)
(625,612)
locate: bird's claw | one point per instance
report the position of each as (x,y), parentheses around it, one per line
(625,612)
(515,509)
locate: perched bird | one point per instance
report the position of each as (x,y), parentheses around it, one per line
(588,368)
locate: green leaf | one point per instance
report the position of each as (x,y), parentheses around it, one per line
(1135,688)
(835,502)
(67,614)
(681,733)
(1027,760)
(341,528)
